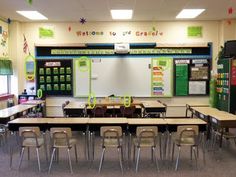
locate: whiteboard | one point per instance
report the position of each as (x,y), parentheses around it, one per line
(121,76)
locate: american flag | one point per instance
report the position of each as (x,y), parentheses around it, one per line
(25,47)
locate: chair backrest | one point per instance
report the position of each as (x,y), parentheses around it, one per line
(146,131)
(99,111)
(29,132)
(67,102)
(32,133)
(146,135)
(3,129)
(60,136)
(127,111)
(187,131)
(111,133)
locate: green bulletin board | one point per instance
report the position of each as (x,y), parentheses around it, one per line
(181,82)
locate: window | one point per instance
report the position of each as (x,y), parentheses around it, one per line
(4,83)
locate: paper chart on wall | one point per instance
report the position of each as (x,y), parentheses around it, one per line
(162,81)
(197,87)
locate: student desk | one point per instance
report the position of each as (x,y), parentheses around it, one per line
(154,107)
(39,103)
(216,118)
(8,114)
(28,122)
(75,109)
(189,106)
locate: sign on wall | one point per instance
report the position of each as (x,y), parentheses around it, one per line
(162,79)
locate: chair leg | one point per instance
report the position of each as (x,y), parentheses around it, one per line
(152,154)
(173,152)
(160,141)
(76,155)
(21,156)
(28,150)
(101,160)
(68,152)
(177,160)
(134,153)
(120,158)
(37,151)
(52,156)
(191,153)
(195,154)
(156,160)
(137,160)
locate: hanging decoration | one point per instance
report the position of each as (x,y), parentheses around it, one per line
(230,12)
(39,93)
(25,46)
(30,68)
(82,20)
(9,21)
(69,28)
(29,2)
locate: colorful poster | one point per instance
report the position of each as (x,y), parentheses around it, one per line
(181,79)
(162,79)
(233,73)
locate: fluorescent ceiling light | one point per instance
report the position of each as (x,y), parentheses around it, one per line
(121,14)
(190,13)
(32,15)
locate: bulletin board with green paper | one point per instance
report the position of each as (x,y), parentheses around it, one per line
(55,77)
(181,77)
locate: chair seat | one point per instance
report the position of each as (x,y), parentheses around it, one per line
(62,143)
(185,141)
(144,142)
(31,142)
(112,142)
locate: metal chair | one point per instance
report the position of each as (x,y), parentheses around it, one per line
(62,138)
(111,138)
(187,135)
(145,138)
(63,109)
(127,111)
(31,137)
(99,111)
(3,134)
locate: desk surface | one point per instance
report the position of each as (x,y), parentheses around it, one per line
(68,120)
(112,120)
(152,104)
(30,121)
(115,104)
(146,121)
(75,105)
(197,104)
(33,102)
(185,121)
(8,112)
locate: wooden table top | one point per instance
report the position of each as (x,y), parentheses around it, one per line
(111,120)
(30,121)
(185,121)
(146,121)
(8,112)
(33,102)
(205,110)
(75,105)
(197,104)
(68,120)
(152,104)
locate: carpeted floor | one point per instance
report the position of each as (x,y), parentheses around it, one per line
(219,163)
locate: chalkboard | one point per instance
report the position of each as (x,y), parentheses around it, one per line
(119,76)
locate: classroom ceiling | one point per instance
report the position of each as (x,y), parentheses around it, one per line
(99,10)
